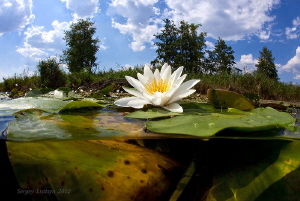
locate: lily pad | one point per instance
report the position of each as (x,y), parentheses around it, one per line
(152,113)
(47,104)
(229,99)
(34,93)
(259,119)
(74,105)
(92,170)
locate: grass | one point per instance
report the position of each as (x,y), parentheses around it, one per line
(248,83)
(241,83)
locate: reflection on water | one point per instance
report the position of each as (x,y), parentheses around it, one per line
(102,124)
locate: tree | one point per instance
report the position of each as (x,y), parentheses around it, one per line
(167,48)
(82,47)
(266,65)
(221,59)
(181,46)
(51,75)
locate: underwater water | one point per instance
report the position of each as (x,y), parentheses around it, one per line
(103,154)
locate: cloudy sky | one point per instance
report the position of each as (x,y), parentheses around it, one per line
(31,30)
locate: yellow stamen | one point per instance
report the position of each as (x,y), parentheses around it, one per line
(157,86)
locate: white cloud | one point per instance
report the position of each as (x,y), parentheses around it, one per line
(102,45)
(15,15)
(39,43)
(83,8)
(293,32)
(247,63)
(230,20)
(293,65)
(141,23)
(32,52)
(209,45)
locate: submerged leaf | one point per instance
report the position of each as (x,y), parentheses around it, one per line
(270,171)
(92,170)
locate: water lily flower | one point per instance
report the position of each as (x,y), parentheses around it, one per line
(161,88)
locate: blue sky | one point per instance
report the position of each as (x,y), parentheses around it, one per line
(32,30)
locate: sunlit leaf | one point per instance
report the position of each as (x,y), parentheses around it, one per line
(259,119)
(158,112)
(74,105)
(152,113)
(92,170)
(48,104)
(222,98)
(34,93)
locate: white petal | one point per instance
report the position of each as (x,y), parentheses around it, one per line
(148,96)
(123,102)
(166,74)
(157,75)
(187,85)
(176,74)
(181,95)
(182,90)
(142,79)
(163,68)
(179,80)
(157,99)
(135,83)
(138,103)
(134,92)
(147,72)
(174,107)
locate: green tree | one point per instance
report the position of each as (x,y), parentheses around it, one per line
(221,59)
(50,73)
(82,47)
(181,46)
(266,65)
(167,48)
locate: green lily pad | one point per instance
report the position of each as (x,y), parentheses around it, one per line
(34,93)
(229,99)
(74,105)
(259,119)
(92,170)
(151,114)
(159,113)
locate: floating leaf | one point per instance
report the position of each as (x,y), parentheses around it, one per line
(158,112)
(92,170)
(74,105)
(105,91)
(198,107)
(229,99)
(259,119)
(152,113)
(47,104)
(34,93)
